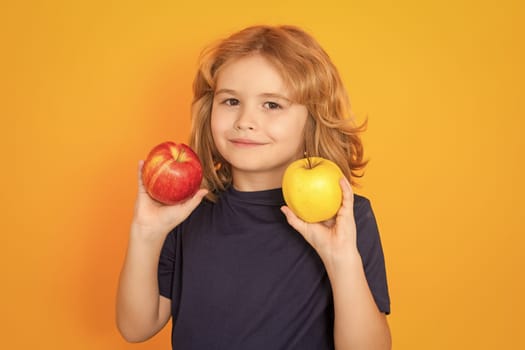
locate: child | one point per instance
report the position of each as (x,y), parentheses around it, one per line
(238,270)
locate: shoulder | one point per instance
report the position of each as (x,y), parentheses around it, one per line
(360,201)
(362,207)
(371,250)
(365,221)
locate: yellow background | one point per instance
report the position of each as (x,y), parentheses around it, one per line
(88,87)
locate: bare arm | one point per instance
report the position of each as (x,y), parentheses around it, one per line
(141,310)
(358,323)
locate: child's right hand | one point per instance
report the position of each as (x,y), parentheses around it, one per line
(153,220)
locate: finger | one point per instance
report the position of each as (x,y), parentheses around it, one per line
(348,193)
(141,187)
(347,206)
(347,188)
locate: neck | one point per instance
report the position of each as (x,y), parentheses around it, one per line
(249,182)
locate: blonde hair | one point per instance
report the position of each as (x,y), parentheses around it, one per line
(314,81)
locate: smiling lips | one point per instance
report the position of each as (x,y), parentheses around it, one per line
(246,143)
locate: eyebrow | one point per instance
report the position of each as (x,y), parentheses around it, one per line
(224,91)
(265,94)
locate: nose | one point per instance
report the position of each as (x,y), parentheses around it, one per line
(245,120)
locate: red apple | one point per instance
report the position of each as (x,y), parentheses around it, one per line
(172,173)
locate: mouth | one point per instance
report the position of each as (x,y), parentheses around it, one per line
(246,143)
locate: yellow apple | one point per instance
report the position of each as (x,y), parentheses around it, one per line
(311,188)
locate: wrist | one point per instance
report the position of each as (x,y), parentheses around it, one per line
(146,235)
(343,262)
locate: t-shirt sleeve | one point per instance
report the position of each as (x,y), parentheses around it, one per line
(369,246)
(167,265)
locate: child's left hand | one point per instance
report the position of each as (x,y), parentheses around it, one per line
(334,239)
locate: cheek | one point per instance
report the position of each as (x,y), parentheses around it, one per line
(219,128)
(292,130)
(292,134)
(216,124)
(299,142)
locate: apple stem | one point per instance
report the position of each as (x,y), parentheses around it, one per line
(180,156)
(309,162)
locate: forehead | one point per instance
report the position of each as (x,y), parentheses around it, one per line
(251,73)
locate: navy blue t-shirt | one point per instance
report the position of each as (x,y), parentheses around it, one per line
(240,277)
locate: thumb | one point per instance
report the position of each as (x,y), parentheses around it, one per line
(294,221)
(194,201)
(184,209)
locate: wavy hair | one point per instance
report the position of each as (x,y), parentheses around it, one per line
(313,80)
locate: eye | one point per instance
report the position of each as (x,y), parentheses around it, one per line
(272,105)
(231,102)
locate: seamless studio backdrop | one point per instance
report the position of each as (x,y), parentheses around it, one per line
(88,87)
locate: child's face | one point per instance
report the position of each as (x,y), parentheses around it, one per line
(255,126)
